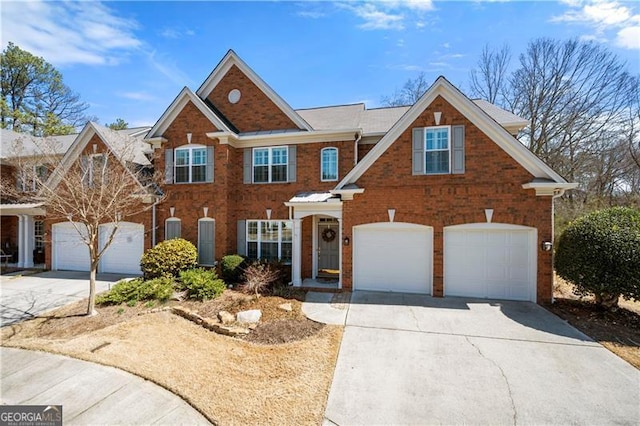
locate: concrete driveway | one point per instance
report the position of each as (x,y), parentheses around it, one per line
(23,297)
(409,359)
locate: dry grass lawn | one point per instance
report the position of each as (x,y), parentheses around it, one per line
(231,381)
(618,331)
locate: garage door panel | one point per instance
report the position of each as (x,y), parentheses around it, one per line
(70,253)
(491,263)
(124,253)
(393,257)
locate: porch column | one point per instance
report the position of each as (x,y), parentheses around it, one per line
(340,253)
(28,243)
(20,241)
(296,262)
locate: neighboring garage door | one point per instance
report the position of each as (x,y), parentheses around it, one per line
(70,253)
(124,253)
(392,257)
(495,261)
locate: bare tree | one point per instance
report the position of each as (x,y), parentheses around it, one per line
(490,80)
(412,90)
(89,189)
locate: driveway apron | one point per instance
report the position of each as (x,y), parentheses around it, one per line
(412,359)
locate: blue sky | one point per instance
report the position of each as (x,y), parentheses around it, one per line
(130,59)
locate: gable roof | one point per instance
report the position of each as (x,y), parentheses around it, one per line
(30,144)
(176,106)
(474,113)
(123,146)
(231,59)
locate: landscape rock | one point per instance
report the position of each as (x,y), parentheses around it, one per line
(226,317)
(248,317)
(286,307)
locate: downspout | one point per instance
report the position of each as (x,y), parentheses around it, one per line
(153,223)
(355,148)
(553,226)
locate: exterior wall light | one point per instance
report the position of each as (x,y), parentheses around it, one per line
(546,246)
(346,241)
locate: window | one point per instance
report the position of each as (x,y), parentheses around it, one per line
(172,228)
(190,164)
(270,240)
(329,164)
(437,145)
(39,234)
(29,179)
(94,169)
(270,164)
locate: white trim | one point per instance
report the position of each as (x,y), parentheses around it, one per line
(474,114)
(337,163)
(284,138)
(231,59)
(347,194)
(175,108)
(269,164)
(549,188)
(449,150)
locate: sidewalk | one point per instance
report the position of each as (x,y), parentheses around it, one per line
(89,393)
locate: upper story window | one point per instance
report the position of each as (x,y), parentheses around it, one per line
(329,164)
(270,164)
(28,180)
(190,165)
(94,169)
(437,150)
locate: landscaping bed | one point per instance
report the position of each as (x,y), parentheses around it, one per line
(279,373)
(618,330)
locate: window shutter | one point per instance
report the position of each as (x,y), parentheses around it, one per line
(418,151)
(206,242)
(292,163)
(168,166)
(173,229)
(84,165)
(247,166)
(242,237)
(457,153)
(19,187)
(209,169)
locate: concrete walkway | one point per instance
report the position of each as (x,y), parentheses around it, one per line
(413,359)
(89,393)
(327,308)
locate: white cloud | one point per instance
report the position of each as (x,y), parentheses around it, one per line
(607,20)
(388,15)
(174,33)
(69,32)
(137,96)
(629,37)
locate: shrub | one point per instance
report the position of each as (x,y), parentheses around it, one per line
(168,258)
(600,254)
(133,291)
(259,276)
(202,284)
(232,267)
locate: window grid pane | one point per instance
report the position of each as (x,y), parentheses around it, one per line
(270,240)
(270,165)
(199,156)
(330,164)
(437,151)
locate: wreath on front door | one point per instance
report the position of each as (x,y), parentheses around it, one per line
(328,235)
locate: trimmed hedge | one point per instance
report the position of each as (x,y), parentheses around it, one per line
(232,267)
(600,254)
(168,258)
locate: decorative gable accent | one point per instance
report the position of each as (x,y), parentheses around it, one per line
(233,98)
(484,122)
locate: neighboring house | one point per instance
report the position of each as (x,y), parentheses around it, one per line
(435,198)
(27,234)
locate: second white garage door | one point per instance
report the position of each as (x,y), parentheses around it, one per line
(124,253)
(392,257)
(496,261)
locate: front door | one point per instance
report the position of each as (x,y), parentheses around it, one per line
(328,246)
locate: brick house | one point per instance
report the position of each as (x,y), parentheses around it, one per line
(436,198)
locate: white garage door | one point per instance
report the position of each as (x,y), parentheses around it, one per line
(392,257)
(124,253)
(493,261)
(69,252)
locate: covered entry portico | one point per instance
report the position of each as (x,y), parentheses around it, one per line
(24,237)
(326,212)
